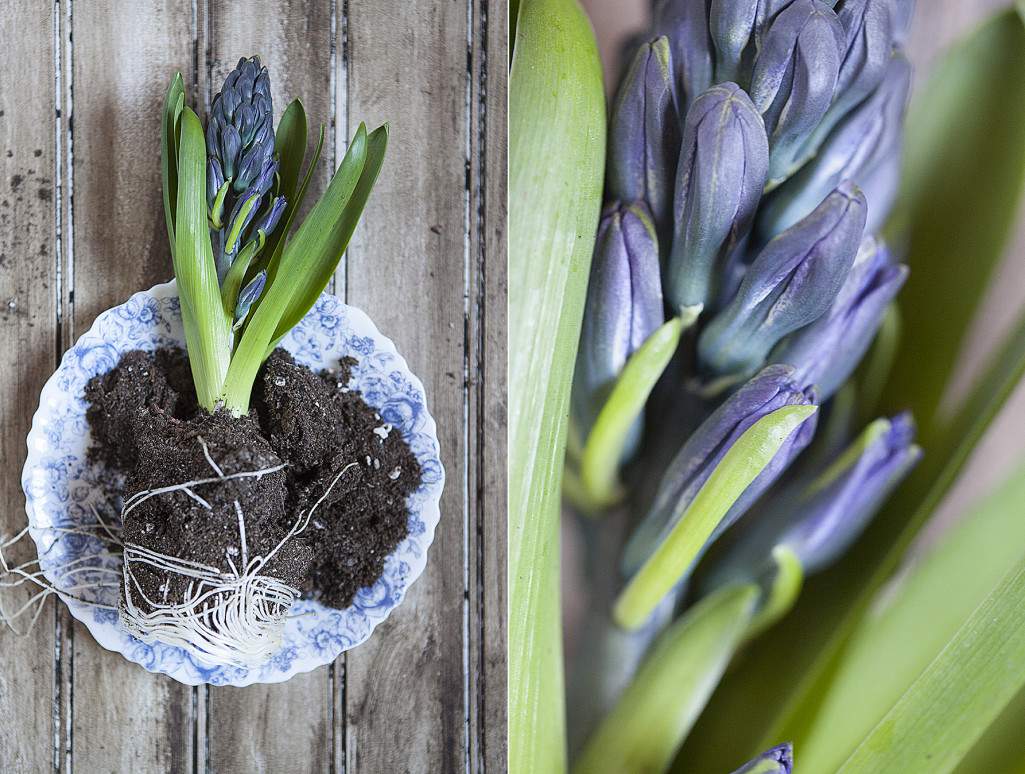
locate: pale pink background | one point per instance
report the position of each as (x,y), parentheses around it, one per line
(937,23)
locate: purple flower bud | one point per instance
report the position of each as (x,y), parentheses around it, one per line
(770,390)
(737,27)
(269,222)
(214,180)
(248,295)
(826,352)
(869,27)
(778,760)
(820,516)
(840,504)
(231,145)
(624,304)
(644,137)
(685,24)
(794,79)
(864,148)
(790,284)
(722,171)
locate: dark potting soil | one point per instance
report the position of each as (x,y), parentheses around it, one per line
(339,456)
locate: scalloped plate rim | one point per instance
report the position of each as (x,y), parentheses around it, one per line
(107,636)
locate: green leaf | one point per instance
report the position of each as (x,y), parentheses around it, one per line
(950,705)
(912,620)
(603,450)
(649,723)
(556,162)
(290,144)
(306,264)
(332,244)
(272,256)
(675,555)
(174,102)
(964,145)
(207,328)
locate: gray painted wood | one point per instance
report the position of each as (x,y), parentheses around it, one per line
(406,690)
(28,305)
(426,693)
(121,55)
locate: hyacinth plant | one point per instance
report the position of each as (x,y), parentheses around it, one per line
(752,388)
(231,196)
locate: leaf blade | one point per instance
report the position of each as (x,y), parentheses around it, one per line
(658,708)
(553,216)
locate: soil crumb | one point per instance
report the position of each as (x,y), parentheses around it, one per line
(340,458)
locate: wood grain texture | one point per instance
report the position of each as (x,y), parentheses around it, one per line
(122,54)
(407,267)
(488,542)
(259,729)
(28,302)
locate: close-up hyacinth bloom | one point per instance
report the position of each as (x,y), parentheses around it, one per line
(778,123)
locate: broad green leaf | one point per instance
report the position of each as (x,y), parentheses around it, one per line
(290,145)
(774,693)
(207,328)
(174,102)
(649,723)
(950,705)
(675,555)
(305,267)
(272,255)
(330,246)
(1002,747)
(912,620)
(556,162)
(603,450)
(964,144)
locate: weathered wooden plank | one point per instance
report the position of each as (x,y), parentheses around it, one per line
(488,543)
(124,53)
(272,728)
(405,688)
(28,305)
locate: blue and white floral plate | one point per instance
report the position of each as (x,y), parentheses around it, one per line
(62,488)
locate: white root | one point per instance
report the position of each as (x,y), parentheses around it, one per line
(236,617)
(92,567)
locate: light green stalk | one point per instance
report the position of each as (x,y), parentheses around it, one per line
(557,155)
